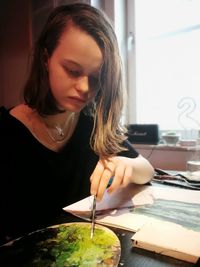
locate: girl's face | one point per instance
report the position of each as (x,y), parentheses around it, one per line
(74,69)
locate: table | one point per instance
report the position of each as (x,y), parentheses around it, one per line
(130,256)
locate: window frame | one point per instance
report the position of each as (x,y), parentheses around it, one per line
(132,78)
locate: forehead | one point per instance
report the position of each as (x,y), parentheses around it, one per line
(77,45)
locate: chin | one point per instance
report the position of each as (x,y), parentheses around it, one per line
(72,108)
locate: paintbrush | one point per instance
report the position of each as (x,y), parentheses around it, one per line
(93,217)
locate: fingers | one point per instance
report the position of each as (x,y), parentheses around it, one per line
(117,167)
(118,177)
(122,177)
(128,174)
(100,177)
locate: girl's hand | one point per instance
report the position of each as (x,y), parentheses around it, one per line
(120,168)
(123,170)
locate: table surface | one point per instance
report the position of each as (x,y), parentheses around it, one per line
(130,256)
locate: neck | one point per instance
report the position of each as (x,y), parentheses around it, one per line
(58,120)
(61,126)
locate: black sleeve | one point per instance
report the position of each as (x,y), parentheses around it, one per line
(131,152)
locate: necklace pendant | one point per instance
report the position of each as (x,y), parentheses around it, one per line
(58,134)
(60,131)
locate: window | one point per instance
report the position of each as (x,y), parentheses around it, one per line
(164,63)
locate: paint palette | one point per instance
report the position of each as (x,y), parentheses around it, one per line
(62,246)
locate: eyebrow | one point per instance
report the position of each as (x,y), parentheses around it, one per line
(69,61)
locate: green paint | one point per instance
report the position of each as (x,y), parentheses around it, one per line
(71,246)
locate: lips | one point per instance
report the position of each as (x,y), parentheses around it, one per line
(77,100)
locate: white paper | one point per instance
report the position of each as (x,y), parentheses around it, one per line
(164,219)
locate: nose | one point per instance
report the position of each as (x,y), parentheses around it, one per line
(82,84)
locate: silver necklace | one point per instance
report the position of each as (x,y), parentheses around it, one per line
(56,134)
(59,134)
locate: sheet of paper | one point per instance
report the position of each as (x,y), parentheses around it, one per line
(163,219)
(169,239)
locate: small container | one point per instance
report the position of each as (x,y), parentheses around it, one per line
(187,143)
(193,169)
(170,138)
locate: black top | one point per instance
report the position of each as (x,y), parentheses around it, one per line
(36,182)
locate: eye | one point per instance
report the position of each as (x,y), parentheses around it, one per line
(73,73)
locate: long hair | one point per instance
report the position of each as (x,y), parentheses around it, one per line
(108,134)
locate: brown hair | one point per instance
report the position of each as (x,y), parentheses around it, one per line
(108,134)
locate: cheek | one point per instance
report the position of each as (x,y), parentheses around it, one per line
(54,84)
(57,79)
(53,74)
(56,73)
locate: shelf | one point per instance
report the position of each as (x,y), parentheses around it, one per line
(166,147)
(167,157)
